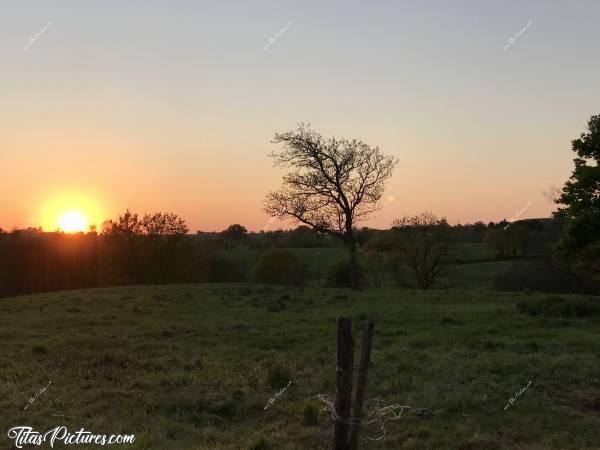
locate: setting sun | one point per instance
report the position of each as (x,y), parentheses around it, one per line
(73,222)
(69,212)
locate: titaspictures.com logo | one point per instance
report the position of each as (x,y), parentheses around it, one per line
(24,435)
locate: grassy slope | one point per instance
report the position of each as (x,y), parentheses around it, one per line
(472,265)
(192,367)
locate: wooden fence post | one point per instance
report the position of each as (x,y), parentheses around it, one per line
(361,383)
(343,382)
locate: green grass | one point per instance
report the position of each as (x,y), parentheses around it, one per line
(317,259)
(478,275)
(468,252)
(192,367)
(472,265)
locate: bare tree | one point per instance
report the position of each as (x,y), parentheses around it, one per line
(422,243)
(334,184)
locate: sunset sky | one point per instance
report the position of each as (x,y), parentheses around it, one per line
(172,105)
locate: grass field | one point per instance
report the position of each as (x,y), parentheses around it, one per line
(470,265)
(192,367)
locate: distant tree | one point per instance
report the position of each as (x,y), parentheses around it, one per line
(164,231)
(580,198)
(364,235)
(334,185)
(143,248)
(479,226)
(34,261)
(383,242)
(494,239)
(422,243)
(376,265)
(508,240)
(163,224)
(302,237)
(339,275)
(122,245)
(280,266)
(235,233)
(128,224)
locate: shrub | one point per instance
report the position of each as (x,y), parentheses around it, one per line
(560,307)
(377,265)
(311,413)
(279,266)
(339,275)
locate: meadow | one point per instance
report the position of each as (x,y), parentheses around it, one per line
(470,265)
(193,366)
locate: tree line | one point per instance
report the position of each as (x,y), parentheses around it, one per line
(150,249)
(333,185)
(158,249)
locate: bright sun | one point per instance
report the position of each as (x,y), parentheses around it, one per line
(69,213)
(73,222)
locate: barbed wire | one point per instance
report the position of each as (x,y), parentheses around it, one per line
(379,414)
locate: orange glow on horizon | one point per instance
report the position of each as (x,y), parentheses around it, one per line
(71,213)
(73,222)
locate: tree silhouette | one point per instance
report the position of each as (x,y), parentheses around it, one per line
(334,184)
(235,233)
(165,231)
(581,199)
(422,242)
(123,234)
(149,241)
(164,224)
(128,224)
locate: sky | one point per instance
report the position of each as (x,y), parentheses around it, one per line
(172,105)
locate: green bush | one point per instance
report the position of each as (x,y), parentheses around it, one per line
(339,275)
(280,266)
(560,307)
(311,412)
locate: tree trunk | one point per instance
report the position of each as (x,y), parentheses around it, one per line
(354,275)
